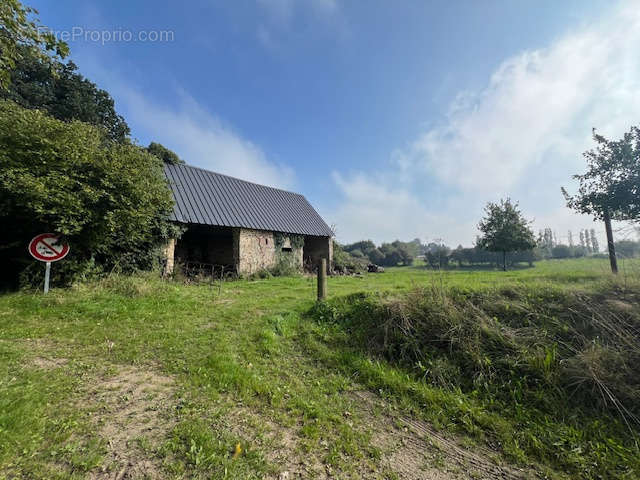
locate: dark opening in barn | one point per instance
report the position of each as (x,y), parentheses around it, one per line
(206,249)
(314,249)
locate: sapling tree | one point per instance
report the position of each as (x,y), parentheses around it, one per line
(504,229)
(610,189)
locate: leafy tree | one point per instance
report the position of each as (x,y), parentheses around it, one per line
(610,189)
(458,255)
(504,229)
(164,154)
(58,89)
(587,241)
(18,30)
(391,254)
(110,200)
(407,251)
(414,247)
(376,256)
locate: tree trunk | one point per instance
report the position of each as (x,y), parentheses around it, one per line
(610,244)
(504,261)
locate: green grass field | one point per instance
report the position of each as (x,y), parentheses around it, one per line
(135,377)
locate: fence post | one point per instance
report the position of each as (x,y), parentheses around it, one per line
(610,244)
(322,280)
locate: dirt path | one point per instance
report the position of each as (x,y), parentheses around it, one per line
(133,415)
(416,451)
(411,449)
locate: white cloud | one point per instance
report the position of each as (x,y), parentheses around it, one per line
(372,209)
(202,139)
(522,135)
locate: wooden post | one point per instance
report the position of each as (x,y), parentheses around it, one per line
(610,245)
(322,280)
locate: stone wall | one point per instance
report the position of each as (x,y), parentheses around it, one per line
(255,250)
(169,254)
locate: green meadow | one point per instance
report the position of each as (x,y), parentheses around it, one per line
(411,373)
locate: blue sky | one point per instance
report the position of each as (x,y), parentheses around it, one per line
(395,119)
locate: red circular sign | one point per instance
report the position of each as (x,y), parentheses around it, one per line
(45,247)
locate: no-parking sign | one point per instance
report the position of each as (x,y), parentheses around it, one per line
(46,247)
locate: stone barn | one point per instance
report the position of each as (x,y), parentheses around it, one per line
(237,226)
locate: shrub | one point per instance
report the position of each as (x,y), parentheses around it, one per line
(108,199)
(343,261)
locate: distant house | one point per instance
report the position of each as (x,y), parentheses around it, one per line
(240,226)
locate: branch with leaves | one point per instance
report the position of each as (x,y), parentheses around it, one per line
(19,29)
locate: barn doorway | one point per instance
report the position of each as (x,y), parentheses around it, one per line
(315,249)
(205,250)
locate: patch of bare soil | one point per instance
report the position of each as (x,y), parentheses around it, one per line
(411,449)
(416,451)
(133,416)
(49,363)
(42,348)
(280,444)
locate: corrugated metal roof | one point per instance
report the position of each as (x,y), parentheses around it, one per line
(210,198)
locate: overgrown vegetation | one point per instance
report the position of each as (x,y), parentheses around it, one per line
(109,199)
(343,261)
(288,248)
(543,372)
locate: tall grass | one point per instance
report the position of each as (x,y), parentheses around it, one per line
(560,364)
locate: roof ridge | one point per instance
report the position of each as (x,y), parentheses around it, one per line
(234,178)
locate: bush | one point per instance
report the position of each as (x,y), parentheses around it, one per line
(283,268)
(343,261)
(108,199)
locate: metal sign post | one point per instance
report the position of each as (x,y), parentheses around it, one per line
(47,272)
(46,248)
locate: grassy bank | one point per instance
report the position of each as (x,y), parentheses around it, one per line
(546,373)
(248,385)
